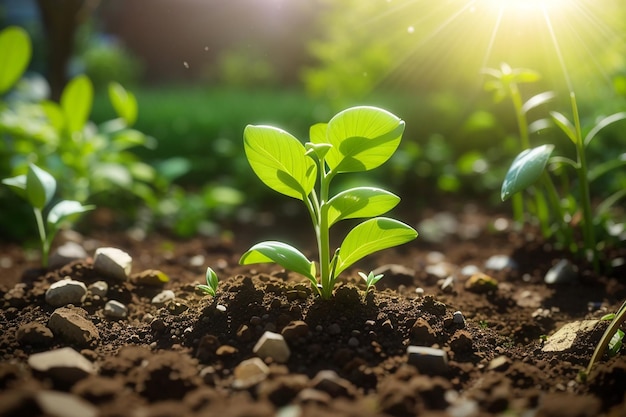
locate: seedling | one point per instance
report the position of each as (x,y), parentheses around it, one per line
(38,187)
(355,140)
(611,339)
(370,279)
(211,283)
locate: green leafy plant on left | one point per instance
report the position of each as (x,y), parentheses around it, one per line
(355,140)
(38,188)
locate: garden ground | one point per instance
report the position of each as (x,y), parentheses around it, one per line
(185,358)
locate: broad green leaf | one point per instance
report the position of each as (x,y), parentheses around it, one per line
(76,102)
(602,124)
(537,100)
(565,125)
(363,138)
(278,252)
(371,236)
(54,114)
(15,55)
(279,160)
(64,209)
(124,103)
(525,75)
(317,133)
(360,202)
(525,170)
(17,184)
(40,187)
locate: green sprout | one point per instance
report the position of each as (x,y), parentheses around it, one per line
(370,279)
(611,339)
(38,187)
(355,140)
(211,283)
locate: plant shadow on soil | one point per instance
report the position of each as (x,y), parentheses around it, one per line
(348,355)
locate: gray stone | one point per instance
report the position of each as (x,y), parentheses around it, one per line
(63,364)
(565,337)
(99,288)
(66,253)
(500,262)
(564,272)
(249,373)
(272,345)
(328,381)
(64,292)
(163,297)
(113,263)
(72,325)
(458,319)
(427,360)
(115,309)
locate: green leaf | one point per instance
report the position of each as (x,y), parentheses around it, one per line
(211,282)
(371,236)
(602,124)
(317,133)
(124,103)
(17,184)
(16,52)
(360,202)
(565,125)
(40,187)
(525,170)
(285,255)
(363,138)
(76,102)
(279,160)
(64,209)
(537,100)
(54,114)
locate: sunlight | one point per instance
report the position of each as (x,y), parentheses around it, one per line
(528,5)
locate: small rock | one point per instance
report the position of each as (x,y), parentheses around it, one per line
(66,253)
(499,364)
(99,288)
(113,263)
(434,257)
(469,270)
(422,333)
(564,272)
(440,270)
(150,277)
(328,381)
(115,309)
(295,330)
(458,319)
(163,297)
(564,338)
(249,373)
(334,329)
(19,402)
(63,364)
(428,360)
(399,274)
(34,333)
(64,292)
(447,285)
(72,325)
(500,262)
(272,345)
(419,291)
(176,308)
(481,283)
(221,308)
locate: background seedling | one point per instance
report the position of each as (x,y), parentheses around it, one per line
(211,283)
(355,140)
(370,279)
(38,187)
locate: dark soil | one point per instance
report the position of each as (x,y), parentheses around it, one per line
(182,359)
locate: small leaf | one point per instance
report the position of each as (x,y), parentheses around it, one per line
(317,133)
(17,184)
(76,102)
(211,283)
(537,100)
(54,114)
(279,160)
(40,187)
(360,202)
(363,138)
(64,209)
(16,52)
(278,252)
(124,103)
(525,170)
(602,124)
(565,125)
(371,236)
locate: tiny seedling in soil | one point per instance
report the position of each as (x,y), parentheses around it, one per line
(355,140)
(612,339)
(38,187)
(370,279)
(211,283)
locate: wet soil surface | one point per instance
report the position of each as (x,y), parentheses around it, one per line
(352,355)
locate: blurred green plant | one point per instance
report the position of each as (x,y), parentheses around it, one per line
(355,140)
(59,137)
(38,188)
(562,210)
(105,60)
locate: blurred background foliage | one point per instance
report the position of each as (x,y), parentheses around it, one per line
(203,69)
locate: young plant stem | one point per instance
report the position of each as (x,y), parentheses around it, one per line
(589,238)
(620,317)
(563,230)
(45,245)
(324,241)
